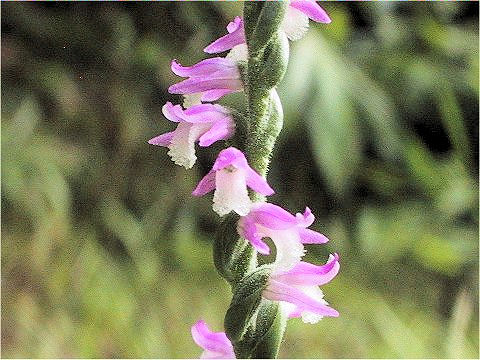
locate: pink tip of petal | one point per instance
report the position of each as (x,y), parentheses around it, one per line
(205,185)
(258,183)
(162,140)
(312,10)
(308,236)
(230,156)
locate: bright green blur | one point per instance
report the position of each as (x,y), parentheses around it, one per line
(106,254)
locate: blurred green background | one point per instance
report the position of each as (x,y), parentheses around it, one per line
(106,254)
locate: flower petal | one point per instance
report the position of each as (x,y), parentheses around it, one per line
(294,24)
(246,228)
(308,274)
(308,236)
(289,249)
(312,10)
(306,219)
(231,192)
(230,156)
(238,53)
(235,37)
(215,94)
(205,185)
(190,100)
(196,85)
(172,112)
(220,130)
(258,183)
(272,216)
(182,146)
(162,140)
(216,342)
(278,291)
(202,113)
(222,67)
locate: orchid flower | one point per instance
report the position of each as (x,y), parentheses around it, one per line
(295,24)
(235,36)
(288,232)
(230,176)
(205,123)
(212,78)
(298,291)
(215,345)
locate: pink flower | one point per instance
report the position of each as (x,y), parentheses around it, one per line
(205,123)
(295,23)
(235,36)
(298,291)
(215,345)
(288,232)
(230,176)
(213,78)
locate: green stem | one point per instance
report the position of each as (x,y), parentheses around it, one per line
(254,325)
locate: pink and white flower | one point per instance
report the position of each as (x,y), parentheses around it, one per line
(297,289)
(205,123)
(295,23)
(212,78)
(215,345)
(288,232)
(235,37)
(230,176)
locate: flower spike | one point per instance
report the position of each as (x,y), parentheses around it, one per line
(288,232)
(205,123)
(230,176)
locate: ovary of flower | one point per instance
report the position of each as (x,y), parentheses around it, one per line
(230,176)
(297,289)
(212,78)
(205,123)
(215,345)
(288,233)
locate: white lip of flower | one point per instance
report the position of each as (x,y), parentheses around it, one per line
(289,249)
(231,192)
(307,316)
(182,146)
(294,24)
(238,53)
(317,293)
(190,100)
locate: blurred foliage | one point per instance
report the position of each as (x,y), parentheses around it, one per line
(106,254)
